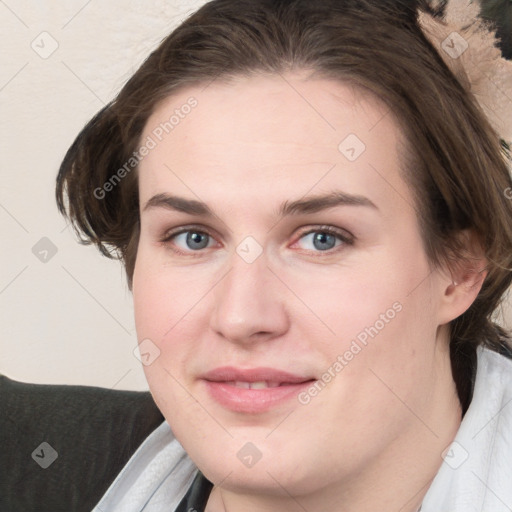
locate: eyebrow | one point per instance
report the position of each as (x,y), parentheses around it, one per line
(318,203)
(179,204)
(311,204)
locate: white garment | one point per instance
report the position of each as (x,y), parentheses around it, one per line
(155,479)
(476,475)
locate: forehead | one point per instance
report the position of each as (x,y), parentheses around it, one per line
(261,135)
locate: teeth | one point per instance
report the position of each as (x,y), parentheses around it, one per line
(259,385)
(254,385)
(244,385)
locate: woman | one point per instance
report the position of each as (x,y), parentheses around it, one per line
(312,210)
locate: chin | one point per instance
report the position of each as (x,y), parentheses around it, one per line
(242,466)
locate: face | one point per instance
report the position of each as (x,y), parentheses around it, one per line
(282,282)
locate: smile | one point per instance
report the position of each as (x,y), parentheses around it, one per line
(255,390)
(254,385)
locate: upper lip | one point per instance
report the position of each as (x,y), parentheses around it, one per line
(230,374)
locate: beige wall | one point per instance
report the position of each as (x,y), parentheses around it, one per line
(67,319)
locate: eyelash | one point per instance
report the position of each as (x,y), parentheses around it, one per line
(167,238)
(343,236)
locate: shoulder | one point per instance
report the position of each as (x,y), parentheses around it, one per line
(480,457)
(493,386)
(84,435)
(495,366)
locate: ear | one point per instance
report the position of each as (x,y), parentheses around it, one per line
(463,277)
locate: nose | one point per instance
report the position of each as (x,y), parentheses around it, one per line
(249,303)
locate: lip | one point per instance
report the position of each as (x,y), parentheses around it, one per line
(220,385)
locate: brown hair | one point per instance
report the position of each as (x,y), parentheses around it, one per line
(456,165)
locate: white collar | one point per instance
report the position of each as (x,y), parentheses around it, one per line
(475,476)
(155,479)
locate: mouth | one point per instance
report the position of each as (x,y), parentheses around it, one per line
(255,385)
(254,390)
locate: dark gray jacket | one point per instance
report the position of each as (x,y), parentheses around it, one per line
(62,446)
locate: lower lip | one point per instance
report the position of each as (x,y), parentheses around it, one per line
(253,400)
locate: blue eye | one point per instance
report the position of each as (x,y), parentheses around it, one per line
(323,240)
(192,240)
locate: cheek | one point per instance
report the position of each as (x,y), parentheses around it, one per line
(160,332)
(380,316)
(159,305)
(162,296)
(164,313)
(370,295)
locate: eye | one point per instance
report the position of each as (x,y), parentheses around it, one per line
(323,239)
(188,240)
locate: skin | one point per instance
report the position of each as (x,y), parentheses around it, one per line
(372,438)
